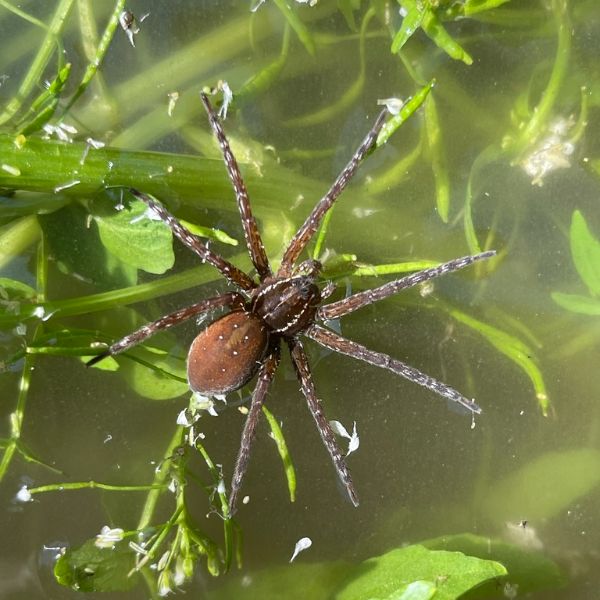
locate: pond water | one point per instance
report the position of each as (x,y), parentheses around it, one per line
(500,156)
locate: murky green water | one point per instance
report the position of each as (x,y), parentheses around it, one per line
(511,137)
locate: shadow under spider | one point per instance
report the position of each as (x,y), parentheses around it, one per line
(281,306)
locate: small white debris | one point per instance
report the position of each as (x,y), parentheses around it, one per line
(62,131)
(245,499)
(14,171)
(173,485)
(39,312)
(394,105)
(361,213)
(524,535)
(138,548)
(107,538)
(551,153)
(221,487)
(23,495)
(256,5)
(20,329)
(426,289)
(95,144)
(129,24)
(302,544)
(66,186)
(173,97)
(107,439)
(354,442)
(182,418)
(223,86)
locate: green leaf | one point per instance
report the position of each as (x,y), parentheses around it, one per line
(472,7)
(157,376)
(434,29)
(545,487)
(410,23)
(528,569)
(347,8)
(512,347)
(578,304)
(135,238)
(390,575)
(437,156)
(303,33)
(93,569)
(284,453)
(76,248)
(585,249)
(11,289)
(390,126)
(209,232)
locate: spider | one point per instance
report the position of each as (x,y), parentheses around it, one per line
(281,307)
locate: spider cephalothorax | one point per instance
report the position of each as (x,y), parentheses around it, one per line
(281,306)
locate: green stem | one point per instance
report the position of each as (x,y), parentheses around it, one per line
(160,477)
(83,485)
(544,108)
(40,61)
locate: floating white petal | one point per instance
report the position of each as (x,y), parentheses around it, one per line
(301,545)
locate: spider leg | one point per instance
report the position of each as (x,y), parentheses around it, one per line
(356,301)
(307,230)
(251,233)
(194,243)
(303,372)
(336,342)
(265,377)
(183,314)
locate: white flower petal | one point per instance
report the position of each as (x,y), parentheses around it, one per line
(301,545)
(23,495)
(339,429)
(354,441)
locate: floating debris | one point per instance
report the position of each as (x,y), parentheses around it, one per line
(301,545)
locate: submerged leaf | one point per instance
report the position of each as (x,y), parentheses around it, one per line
(529,570)
(512,347)
(544,487)
(391,574)
(135,237)
(93,569)
(284,453)
(578,304)
(158,376)
(585,249)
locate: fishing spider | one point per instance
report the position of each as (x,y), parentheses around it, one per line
(280,307)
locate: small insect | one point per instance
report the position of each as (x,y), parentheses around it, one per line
(280,307)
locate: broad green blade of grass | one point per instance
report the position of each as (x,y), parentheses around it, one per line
(514,349)
(405,112)
(284,454)
(585,250)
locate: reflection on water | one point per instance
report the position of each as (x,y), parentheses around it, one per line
(510,142)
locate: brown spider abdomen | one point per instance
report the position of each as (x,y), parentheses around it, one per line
(227,354)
